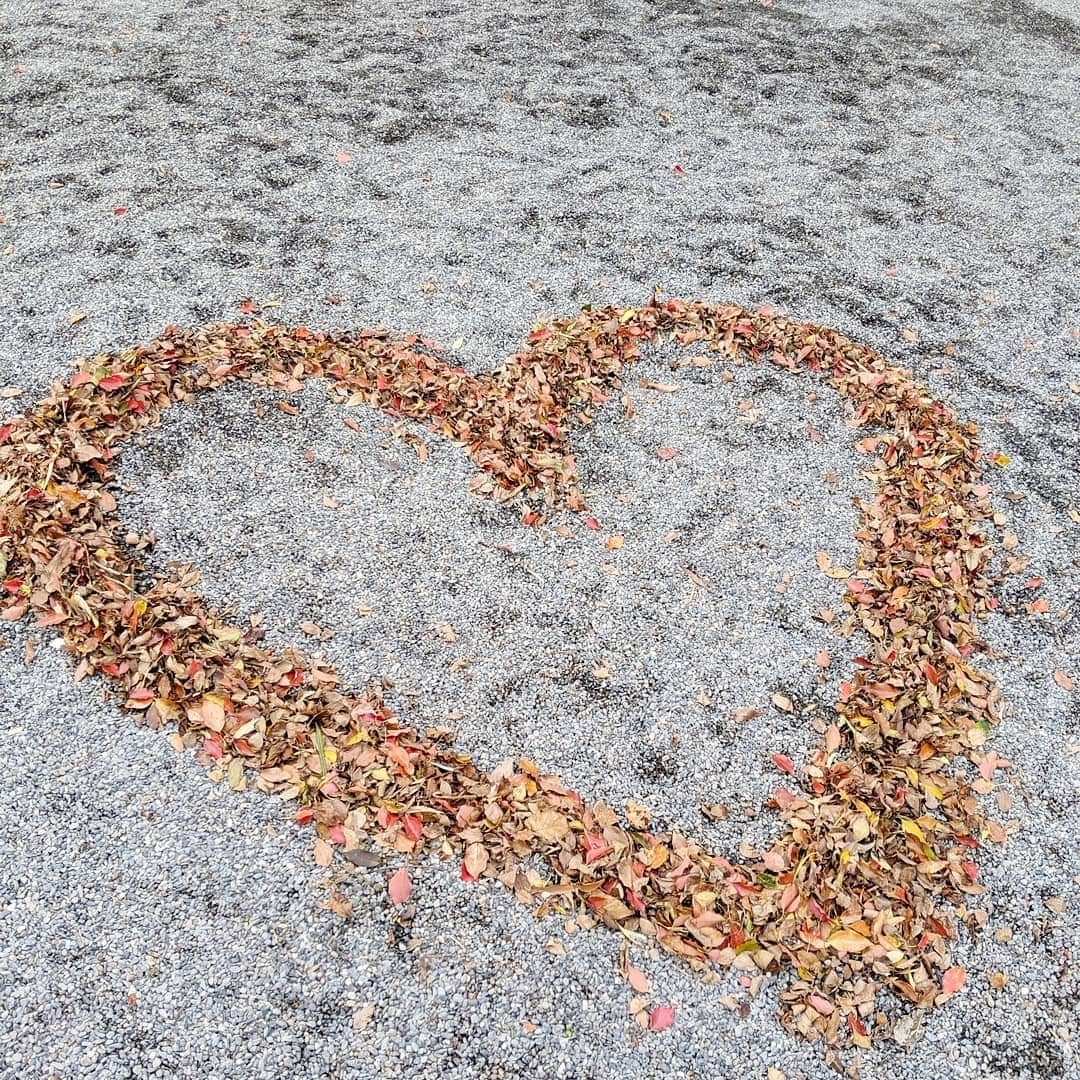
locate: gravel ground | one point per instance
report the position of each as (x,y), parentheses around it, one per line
(463,171)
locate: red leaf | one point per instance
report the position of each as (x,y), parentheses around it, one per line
(783,763)
(666,453)
(112,382)
(399,887)
(662,1017)
(592,523)
(679,171)
(120,210)
(247,307)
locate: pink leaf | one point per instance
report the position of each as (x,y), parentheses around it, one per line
(662,1017)
(666,453)
(637,979)
(953,979)
(399,887)
(783,763)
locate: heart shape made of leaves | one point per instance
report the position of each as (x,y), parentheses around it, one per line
(875,844)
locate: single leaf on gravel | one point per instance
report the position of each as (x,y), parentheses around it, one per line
(637,979)
(783,763)
(952,980)
(362,1016)
(667,453)
(661,1018)
(399,886)
(359,857)
(1064,680)
(324,853)
(783,703)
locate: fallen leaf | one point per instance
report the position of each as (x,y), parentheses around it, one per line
(362,1016)
(849,941)
(661,1018)
(1064,681)
(952,980)
(476,859)
(667,453)
(324,853)
(548,824)
(637,979)
(399,887)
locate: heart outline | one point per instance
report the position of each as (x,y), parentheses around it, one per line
(516,422)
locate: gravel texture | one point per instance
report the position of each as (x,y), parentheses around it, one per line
(462,171)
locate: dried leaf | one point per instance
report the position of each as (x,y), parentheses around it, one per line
(399,887)
(661,1017)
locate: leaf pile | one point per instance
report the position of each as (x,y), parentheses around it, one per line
(880,837)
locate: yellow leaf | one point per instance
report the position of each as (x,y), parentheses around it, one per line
(849,941)
(912,829)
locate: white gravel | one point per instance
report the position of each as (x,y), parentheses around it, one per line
(155,924)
